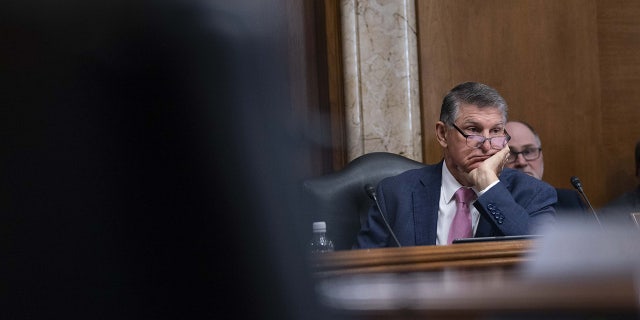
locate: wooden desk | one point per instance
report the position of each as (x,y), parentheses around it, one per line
(423,258)
(479,294)
(465,281)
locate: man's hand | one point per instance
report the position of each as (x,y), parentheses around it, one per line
(489,170)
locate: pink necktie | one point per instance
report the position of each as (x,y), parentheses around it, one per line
(461,225)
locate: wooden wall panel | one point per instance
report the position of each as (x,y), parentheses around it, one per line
(544,57)
(619,44)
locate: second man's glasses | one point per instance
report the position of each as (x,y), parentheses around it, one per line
(528,154)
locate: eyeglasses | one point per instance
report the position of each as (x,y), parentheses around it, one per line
(528,154)
(476,141)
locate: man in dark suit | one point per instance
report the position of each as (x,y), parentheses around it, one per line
(619,209)
(526,156)
(419,204)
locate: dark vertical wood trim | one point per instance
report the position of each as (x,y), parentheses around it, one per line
(333,32)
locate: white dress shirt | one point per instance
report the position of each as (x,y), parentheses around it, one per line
(447,205)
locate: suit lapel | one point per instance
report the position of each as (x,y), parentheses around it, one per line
(425,205)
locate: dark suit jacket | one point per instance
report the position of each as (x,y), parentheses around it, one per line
(618,210)
(517,205)
(571,205)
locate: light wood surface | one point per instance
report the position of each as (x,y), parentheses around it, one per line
(422,258)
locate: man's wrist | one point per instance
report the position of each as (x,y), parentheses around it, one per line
(488,187)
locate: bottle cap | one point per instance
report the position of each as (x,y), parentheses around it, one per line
(319,226)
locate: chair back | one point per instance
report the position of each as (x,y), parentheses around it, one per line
(339,198)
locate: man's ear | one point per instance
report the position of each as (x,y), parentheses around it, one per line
(441,130)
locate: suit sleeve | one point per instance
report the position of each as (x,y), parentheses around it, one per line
(524,210)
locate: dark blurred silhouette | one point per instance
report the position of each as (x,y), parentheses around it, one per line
(147,167)
(620,208)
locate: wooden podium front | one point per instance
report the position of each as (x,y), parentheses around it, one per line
(423,258)
(464,281)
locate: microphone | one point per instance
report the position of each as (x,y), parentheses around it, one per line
(371,192)
(578,185)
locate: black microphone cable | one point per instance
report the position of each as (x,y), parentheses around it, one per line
(575,181)
(371,192)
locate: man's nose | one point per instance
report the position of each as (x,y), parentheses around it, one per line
(520,160)
(486,145)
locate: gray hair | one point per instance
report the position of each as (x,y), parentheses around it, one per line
(474,93)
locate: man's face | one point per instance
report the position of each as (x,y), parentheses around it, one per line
(487,122)
(522,139)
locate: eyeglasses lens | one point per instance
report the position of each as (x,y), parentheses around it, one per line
(527,154)
(474,141)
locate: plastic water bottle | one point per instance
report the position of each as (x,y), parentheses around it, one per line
(320,242)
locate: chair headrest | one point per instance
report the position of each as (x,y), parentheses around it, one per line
(339,198)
